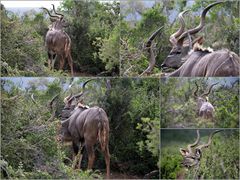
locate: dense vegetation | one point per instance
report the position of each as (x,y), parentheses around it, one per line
(105,41)
(29,129)
(141,18)
(219,161)
(93,29)
(179,106)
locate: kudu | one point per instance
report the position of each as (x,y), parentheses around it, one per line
(192,157)
(57,41)
(204,108)
(199,61)
(85,127)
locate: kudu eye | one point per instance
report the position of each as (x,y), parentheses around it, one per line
(178,52)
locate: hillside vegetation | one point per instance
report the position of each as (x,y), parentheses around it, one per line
(92,26)
(30,125)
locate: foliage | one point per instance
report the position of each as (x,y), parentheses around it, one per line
(29,132)
(94,28)
(179,107)
(140,19)
(219,161)
(134,59)
(24,53)
(126,115)
(22,45)
(170,163)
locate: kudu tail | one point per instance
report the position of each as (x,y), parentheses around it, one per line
(102,131)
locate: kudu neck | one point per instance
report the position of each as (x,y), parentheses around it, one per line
(200,101)
(57,26)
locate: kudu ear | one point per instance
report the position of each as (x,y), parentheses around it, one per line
(180,43)
(199,40)
(197,43)
(207,99)
(66,99)
(183,152)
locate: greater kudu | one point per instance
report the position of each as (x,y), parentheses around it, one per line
(199,61)
(85,127)
(57,41)
(192,157)
(204,108)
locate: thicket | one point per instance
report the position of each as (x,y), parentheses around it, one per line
(219,161)
(28,145)
(93,29)
(140,19)
(179,106)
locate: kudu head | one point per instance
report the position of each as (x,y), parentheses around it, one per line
(181,48)
(71,101)
(202,98)
(192,157)
(70,104)
(58,21)
(177,52)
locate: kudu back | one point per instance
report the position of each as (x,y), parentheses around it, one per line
(58,42)
(192,60)
(85,127)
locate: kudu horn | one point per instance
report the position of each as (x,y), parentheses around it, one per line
(152,37)
(148,46)
(57,12)
(54,16)
(173,37)
(209,90)
(201,25)
(189,147)
(81,93)
(195,92)
(209,140)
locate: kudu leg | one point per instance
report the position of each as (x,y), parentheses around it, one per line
(53,63)
(107,161)
(76,153)
(61,63)
(49,60)
(80,156)
(91,155)
(49,64)
(75,165)
(70,63)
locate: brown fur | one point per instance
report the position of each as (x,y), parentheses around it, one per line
(201,63)
(87,126)
(58,42)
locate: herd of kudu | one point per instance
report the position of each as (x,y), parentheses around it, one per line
(190,58)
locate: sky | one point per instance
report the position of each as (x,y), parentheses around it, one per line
(25,82)
(36,3)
